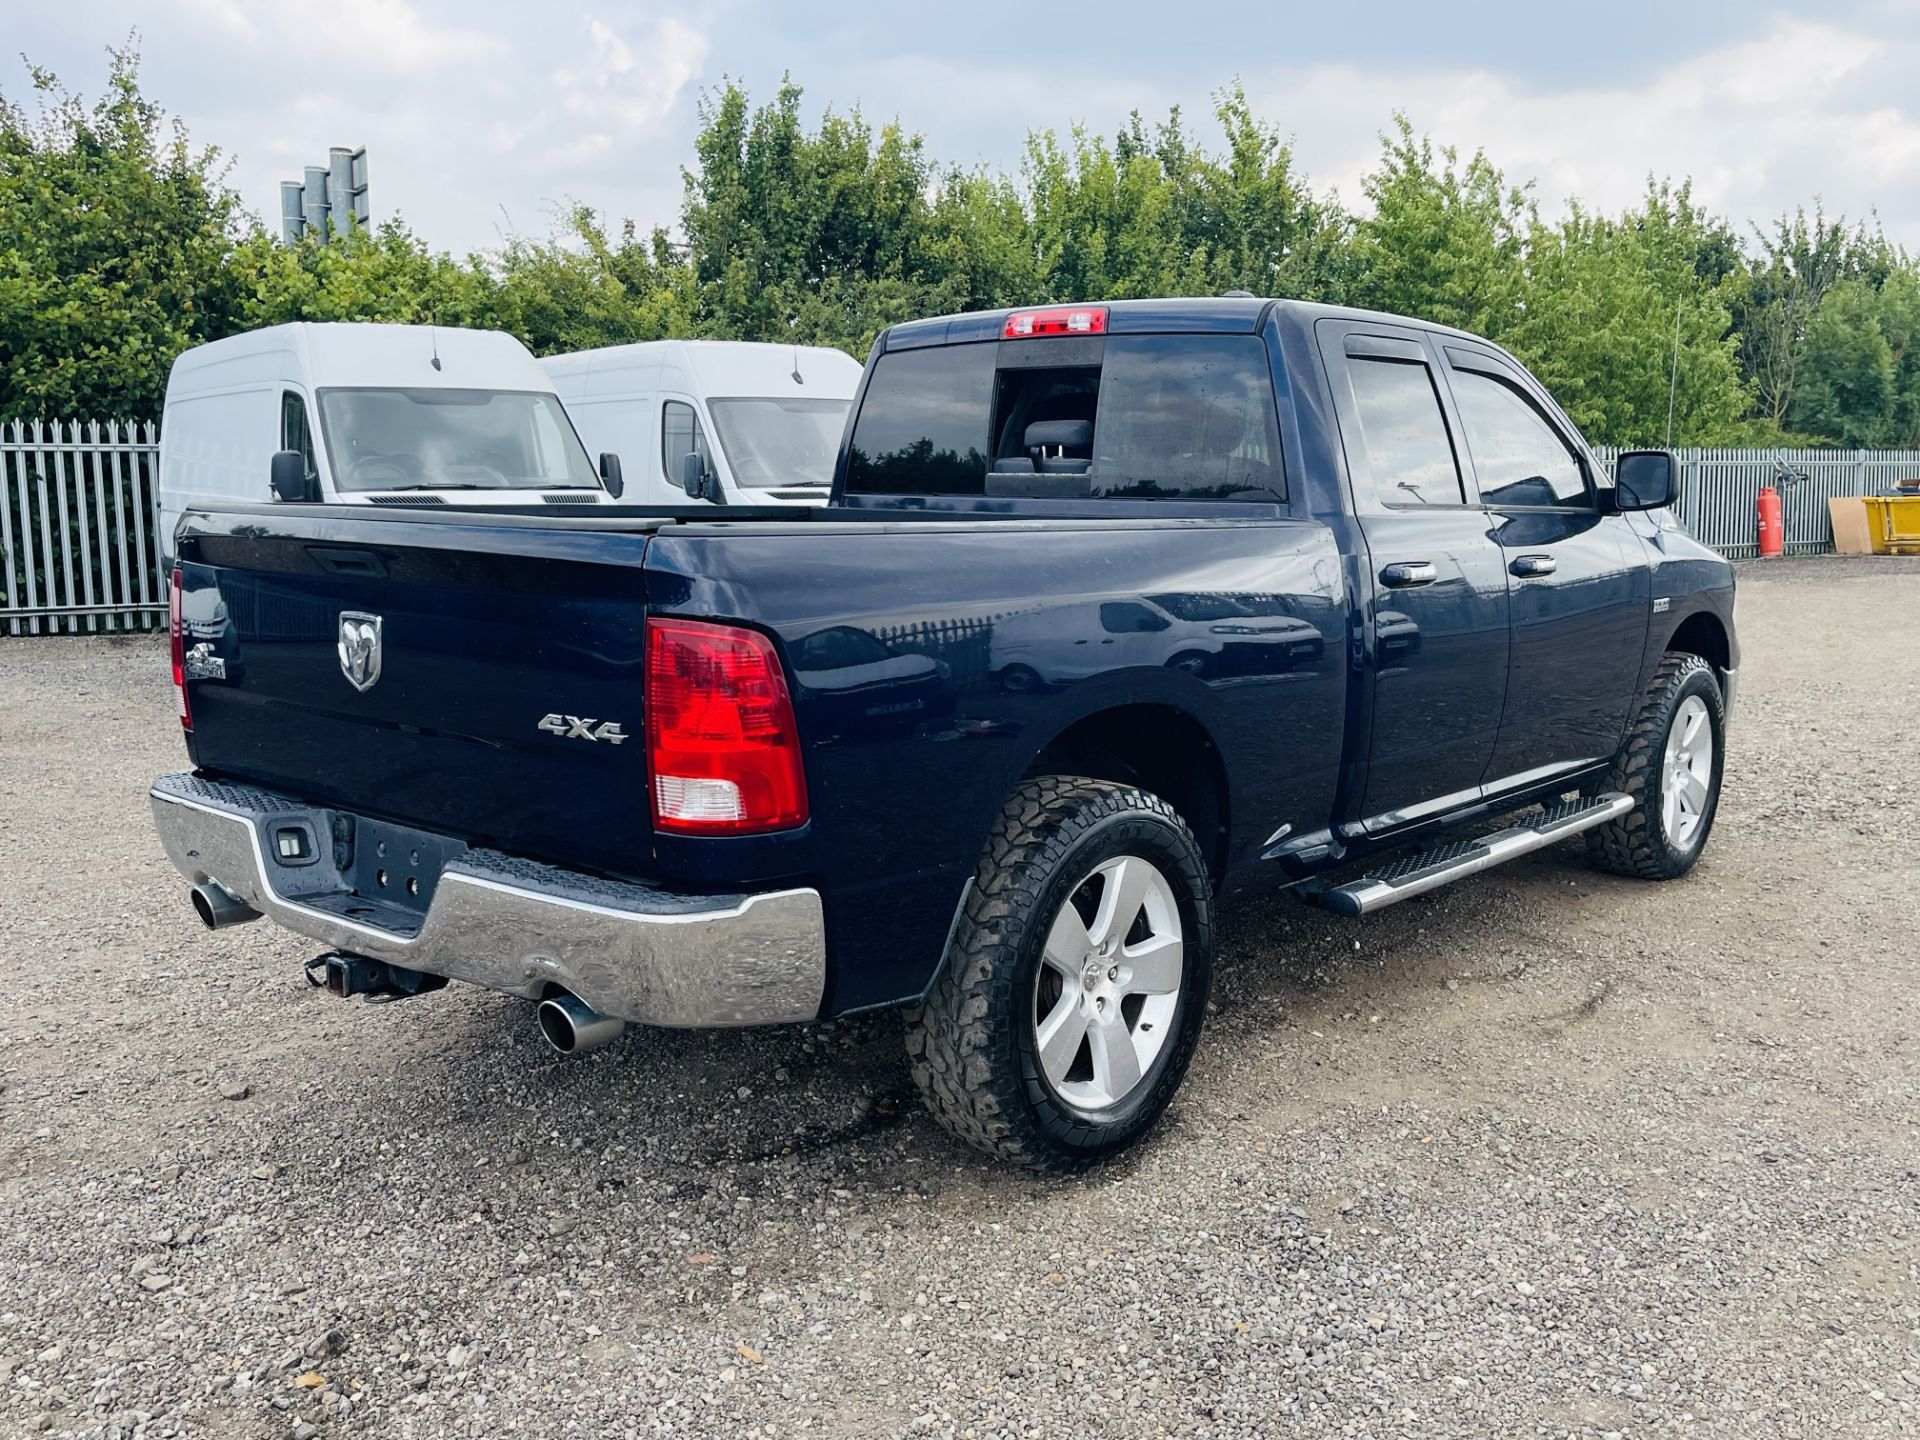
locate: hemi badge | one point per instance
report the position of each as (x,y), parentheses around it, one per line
(1662,605)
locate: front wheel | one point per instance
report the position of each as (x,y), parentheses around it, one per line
(1073,994)
(1671,764)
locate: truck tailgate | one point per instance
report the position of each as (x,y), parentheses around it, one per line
(403,668)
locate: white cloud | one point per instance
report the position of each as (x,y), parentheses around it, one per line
(480,114)
(1760,126)
(1805,109)
(622,91)
(478,122)
(375,34)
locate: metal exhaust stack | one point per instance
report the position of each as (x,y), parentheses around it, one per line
(219,907)
(574,1027)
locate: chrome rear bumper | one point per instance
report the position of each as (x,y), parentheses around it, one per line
(657,957)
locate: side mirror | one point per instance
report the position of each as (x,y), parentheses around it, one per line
(610,474)
(287,477)
(1645,480)
(693,475)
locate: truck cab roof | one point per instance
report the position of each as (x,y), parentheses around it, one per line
(1219,315)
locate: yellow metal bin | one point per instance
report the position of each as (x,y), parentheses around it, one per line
(1893,523)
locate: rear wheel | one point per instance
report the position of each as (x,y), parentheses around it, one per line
(1073,995)
(1671,764)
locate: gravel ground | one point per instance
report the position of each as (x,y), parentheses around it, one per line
(1544,1154)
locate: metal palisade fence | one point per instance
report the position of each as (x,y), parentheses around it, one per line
(78,547)
(1720,492)
(79,506)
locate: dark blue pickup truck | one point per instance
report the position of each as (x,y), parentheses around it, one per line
(1116,609)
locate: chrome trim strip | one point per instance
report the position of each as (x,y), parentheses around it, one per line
(660,959)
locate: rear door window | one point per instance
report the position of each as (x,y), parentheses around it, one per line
(1408,451)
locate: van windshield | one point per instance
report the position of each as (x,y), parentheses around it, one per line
(397,439)
(771,442)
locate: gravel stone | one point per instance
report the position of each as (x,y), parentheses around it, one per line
(1615,1158)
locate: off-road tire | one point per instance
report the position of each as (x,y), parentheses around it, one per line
(971,1043)
(1637,843)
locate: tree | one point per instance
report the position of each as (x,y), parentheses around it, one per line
(1156,214)
(813,238)
(387,274)
(1618,320)
(115,245)
(1444,242)
(1798,264)
(586,289)
(1860,376)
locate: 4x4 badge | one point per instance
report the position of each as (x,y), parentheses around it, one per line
(572,727)
(360,648)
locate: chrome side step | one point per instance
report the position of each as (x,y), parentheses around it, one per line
(1457,859)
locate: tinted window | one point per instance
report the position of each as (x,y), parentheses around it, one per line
(680,436)
(1404,433)
(923,425)
(1187,416)
(1519,458)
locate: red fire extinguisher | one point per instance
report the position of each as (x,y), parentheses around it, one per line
(1773,530)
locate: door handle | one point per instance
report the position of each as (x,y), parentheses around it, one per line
(1405,574)
(1529,566)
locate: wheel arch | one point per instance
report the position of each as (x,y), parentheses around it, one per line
(1163,749)
(1703,633)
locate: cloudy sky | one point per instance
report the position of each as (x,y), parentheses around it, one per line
(482,118)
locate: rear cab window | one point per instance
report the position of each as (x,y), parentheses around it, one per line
(1177,416)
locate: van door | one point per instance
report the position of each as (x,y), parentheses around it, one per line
(1579,586)
(1437,612)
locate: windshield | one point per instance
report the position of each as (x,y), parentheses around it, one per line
(772,442)
(451,440)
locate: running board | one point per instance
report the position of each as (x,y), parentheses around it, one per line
(1442,865)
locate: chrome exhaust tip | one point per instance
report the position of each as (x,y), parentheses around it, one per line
(219,907)
(574,1027)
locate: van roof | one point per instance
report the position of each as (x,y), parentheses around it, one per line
(352,354)
(709,367)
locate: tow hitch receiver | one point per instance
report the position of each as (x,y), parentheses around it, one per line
(349,975)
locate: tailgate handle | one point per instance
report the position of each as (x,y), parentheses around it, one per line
(349,562)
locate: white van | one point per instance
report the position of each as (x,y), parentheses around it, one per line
(378,414)
(764,420)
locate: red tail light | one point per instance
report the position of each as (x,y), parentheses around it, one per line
(177,642)
(1056,320)
(721,743)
